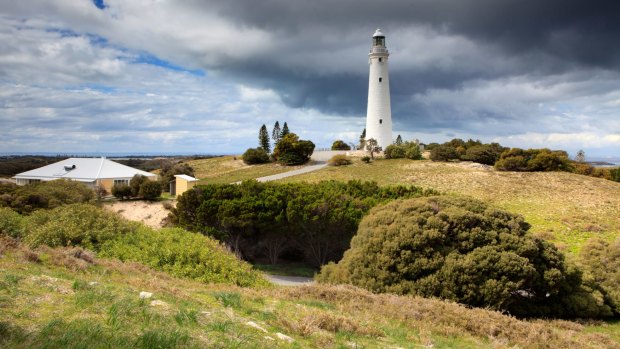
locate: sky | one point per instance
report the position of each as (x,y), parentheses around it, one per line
(202,76)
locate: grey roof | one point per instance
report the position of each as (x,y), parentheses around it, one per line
(84,170)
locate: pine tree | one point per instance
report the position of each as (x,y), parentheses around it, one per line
(275,134)
(263,139)
(285,130)
(363,139)
(399,140)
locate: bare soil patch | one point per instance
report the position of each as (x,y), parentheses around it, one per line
(152,214)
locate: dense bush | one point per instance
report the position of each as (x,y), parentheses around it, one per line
(365,159)
(601,261)
(517,159)
(11,223)
(254,156)
(183,254)
(340,145)
(44,195)
(121,191)
(75,225)
(136,183)
(486,154)
(309,222)
(339,160)
(609,173)
(444,153)
(461,250)
(290,150)
(409,150)
(150,190)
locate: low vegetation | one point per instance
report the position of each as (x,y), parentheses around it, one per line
(254,156)
(311,222)
(562,207)
(533,160)
(175,251)
(44,195)
(464,251)
(339,160)
(230,169)
(57,298)
(139,187)
(404,150)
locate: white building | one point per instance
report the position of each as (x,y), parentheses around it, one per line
(379,112)
(95,172)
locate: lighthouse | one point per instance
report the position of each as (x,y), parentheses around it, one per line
(379,112)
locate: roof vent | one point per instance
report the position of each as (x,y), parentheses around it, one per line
(69,168)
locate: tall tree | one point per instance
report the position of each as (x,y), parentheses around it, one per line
(285,130)
(399,140)
(275,134)
(363,140)
(263,139)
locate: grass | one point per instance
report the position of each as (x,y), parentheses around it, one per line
(229,169)
(50,304)
(563,207)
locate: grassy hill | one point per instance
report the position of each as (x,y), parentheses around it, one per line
(562,207)
(230,169)
(51,298)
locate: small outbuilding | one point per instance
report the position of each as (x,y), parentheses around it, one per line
(181,184)
(95,172)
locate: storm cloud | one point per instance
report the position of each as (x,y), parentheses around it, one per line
(525,73)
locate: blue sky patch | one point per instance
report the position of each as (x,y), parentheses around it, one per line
(147,58)
(100,4)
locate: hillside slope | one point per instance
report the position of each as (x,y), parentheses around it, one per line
(53,298)
(563,207)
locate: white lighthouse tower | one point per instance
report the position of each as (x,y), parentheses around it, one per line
(379,112)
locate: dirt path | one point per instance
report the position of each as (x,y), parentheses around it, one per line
(151,214)
(289,280)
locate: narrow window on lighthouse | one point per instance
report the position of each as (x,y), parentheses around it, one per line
(380,79)
(380,121)
(380,59)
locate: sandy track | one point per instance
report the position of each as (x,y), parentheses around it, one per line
(151,214)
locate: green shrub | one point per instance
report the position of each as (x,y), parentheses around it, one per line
(183,254)
(339,160)
(486,154)
(11,223)
(254,156)
(121,191)
(75,225)
(340,145)
(45,195)
(136,183)
(365,159)
(461,250)
(601,261)
(290,150)
(150,190)
(517,159)
(409,150)
(444,153)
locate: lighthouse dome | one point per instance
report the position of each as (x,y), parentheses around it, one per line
(378,33)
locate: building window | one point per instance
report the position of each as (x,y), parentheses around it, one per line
(121,181)
(380,79)
(380,121)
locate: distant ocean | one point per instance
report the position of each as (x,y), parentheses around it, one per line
(611,162)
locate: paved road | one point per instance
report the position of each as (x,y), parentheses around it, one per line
(320,161)
(289,280)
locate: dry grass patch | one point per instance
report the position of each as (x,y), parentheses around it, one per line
(230,169)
